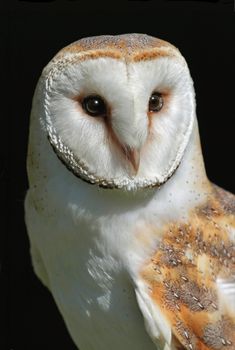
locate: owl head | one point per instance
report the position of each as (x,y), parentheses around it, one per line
(118,110)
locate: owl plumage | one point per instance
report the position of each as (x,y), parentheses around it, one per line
(191,275)
(134,242)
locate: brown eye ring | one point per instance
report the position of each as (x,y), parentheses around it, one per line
(155,102)
(94,105)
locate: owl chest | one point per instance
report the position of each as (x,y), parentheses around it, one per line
(93,290)
(87,263)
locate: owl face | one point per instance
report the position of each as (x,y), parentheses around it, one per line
(118,111)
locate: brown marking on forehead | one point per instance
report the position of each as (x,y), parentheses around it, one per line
(182,275)
(151,54)
(100,53)
(131,46)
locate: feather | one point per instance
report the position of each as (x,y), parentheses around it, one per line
(189,282)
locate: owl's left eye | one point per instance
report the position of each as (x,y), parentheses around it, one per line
(94,105)
(155,102)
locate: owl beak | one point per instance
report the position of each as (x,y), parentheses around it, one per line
(133,155)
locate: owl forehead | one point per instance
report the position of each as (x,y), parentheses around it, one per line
(131,47)
(124,42)
(103,73)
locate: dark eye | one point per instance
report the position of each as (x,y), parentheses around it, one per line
(155,102)
(94,105)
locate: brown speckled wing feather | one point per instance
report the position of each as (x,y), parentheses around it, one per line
(191,277)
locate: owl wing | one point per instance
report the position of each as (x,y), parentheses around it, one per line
(186,291)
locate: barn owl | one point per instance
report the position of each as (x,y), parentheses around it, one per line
(134,242)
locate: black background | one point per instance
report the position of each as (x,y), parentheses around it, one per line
(32,32)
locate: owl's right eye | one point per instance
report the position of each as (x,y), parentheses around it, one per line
(94,105)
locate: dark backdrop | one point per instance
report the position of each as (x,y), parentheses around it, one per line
(31,34)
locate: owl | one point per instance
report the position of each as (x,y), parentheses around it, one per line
(134,242)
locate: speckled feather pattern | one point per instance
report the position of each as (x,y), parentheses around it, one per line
(182,275)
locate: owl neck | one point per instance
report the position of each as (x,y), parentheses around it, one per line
(189,182)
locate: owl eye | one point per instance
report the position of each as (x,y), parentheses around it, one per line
(155,102)
(94,105)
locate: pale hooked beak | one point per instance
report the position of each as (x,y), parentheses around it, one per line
(133,155)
